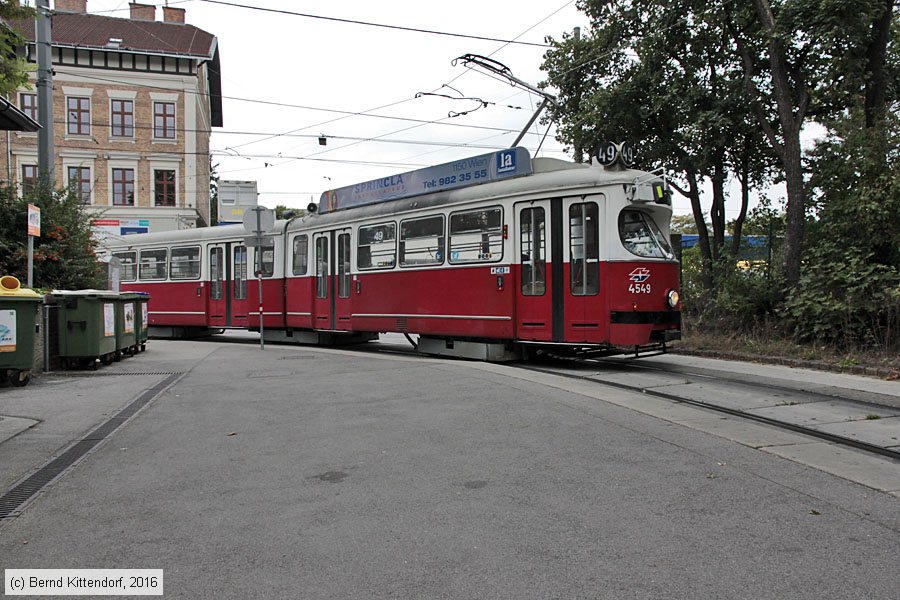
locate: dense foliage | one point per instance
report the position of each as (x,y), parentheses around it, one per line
(714,91)
(64,253)
(13,68)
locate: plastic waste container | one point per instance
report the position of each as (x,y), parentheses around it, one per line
(126,329)
(86,326)
(18,310)
(141,319)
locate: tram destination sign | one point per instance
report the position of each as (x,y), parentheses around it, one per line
(485,168)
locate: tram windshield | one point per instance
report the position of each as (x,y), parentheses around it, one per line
(641,236)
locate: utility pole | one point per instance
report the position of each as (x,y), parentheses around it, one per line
(44,91)
(579,153)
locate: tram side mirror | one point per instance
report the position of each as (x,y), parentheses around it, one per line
(288,214)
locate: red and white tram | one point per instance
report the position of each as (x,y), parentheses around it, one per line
(488,257)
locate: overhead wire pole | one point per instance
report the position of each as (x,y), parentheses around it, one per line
(44,89)
(45,110)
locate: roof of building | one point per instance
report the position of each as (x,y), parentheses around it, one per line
(13,119)
(83,30)
(94,31)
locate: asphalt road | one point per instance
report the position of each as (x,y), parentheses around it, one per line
(298,473)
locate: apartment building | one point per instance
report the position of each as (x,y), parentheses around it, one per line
(134,104)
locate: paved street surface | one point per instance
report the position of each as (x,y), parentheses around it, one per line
(317,473)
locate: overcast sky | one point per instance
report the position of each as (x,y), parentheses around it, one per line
(271,59)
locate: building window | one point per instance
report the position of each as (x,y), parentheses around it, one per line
(164,120)
(123,187)
(29,178)
(164,187)
(28,104)
(78,115)
(80,183)
(122,117)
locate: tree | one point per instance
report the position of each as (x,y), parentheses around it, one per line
(660,75)
(13,68)
(64,253)
(806,58)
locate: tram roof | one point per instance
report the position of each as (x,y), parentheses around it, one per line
(204,234)
(549,176)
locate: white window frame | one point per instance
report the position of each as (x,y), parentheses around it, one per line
(155,98)
(123,95)
(77,92)
(164,165)
(122,164)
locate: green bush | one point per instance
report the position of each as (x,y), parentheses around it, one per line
(64,255)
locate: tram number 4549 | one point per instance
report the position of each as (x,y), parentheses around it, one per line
(639,288)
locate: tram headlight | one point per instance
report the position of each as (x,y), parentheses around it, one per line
(672,298)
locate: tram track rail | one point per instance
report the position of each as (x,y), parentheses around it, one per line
(814,396)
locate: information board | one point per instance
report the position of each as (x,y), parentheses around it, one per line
(485,168)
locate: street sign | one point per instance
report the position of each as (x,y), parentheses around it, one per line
(34,220)
(258,220)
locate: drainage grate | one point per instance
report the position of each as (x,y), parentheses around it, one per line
(12,501)
(108,374)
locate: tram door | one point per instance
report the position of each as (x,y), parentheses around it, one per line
(538,241)
(240,305)
(217,313)
(558,245)
(228,303)
(332,303)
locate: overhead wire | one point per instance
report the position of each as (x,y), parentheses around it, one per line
(370,24)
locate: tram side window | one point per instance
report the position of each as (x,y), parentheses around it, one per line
(129,265)
(476,236)
(322,267)
(422,241)
(153,265)
(240,272)
(376,246)
(216,273)
(584,249)
(343,265)
(641,236)
(185,263)
(268,260)
(533,246)
(301,255)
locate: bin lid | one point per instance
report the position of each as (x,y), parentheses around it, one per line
(9,288)
(106,294)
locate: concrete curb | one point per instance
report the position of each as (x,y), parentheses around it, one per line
(820,365)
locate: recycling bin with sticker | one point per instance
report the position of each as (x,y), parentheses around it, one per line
(86,327)
(18,327)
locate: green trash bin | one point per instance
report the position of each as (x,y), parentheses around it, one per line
(141,319)
(126,330)
(18,309)
(87,327)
